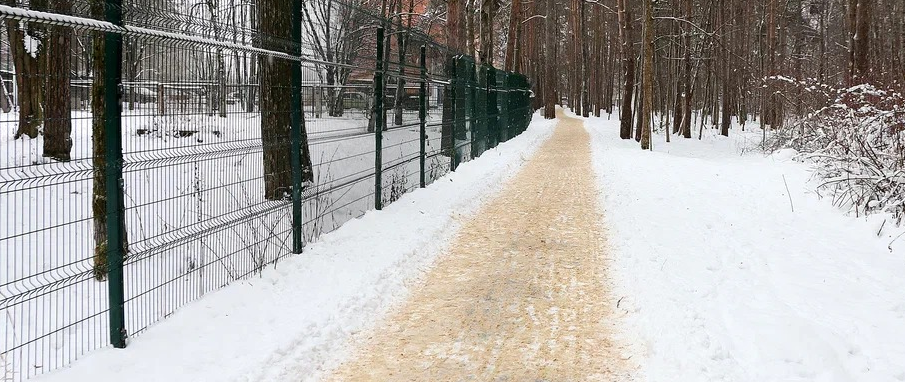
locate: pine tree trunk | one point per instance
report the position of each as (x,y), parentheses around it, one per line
(550,61)
(583,44)
(512,41)
(488,12)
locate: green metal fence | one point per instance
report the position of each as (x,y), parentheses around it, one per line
(153,151)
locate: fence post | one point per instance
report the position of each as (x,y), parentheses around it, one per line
(453,101)
(503,106)
(526,95)
(422,112)
(481,109)
(113,153)
(318,100)
(378,124)
(493,116)
(297,123)
(476,107)
(462,108)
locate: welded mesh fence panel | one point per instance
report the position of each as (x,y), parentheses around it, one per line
(154,151)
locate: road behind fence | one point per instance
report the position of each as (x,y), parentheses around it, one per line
(152,152)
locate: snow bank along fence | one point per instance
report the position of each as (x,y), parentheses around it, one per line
(152,151)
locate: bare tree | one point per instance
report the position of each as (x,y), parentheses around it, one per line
(333,32)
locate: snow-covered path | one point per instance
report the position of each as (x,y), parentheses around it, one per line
(522,294)
(722,281)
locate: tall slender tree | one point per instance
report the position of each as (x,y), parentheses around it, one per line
(550,64)
(647,76)
(628,68)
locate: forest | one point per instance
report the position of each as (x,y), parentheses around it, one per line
(822,77)
(768,62)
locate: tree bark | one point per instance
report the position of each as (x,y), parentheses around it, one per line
(29,75)
(860,40)
(628,68)
(550,61)
(57,114)
(98,157)
(455,32)
(726,115)
(275,18)
(488,12)
(585,80)
(512,41)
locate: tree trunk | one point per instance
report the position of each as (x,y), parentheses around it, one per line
(6,104)
(252,66)
(275,18)
(512,41)
(455,29)
(57,114)
(401,46)
(469,29)
(860,40)
(550,61)
(214,7)
(98,157)
(29,76)
(583,43)
(726,115)
(689,79)
(488,12)
(628,69)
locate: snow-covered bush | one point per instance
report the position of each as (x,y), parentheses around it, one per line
(855,141)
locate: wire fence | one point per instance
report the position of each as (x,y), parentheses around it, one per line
(153,151)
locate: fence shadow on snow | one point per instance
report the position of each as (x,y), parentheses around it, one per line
(154,151)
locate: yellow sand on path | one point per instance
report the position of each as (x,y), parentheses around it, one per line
(522,294)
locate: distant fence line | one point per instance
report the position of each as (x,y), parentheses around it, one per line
(152,153)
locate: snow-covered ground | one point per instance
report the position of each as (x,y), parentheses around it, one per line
(297,318)
(720,280)
(195,218)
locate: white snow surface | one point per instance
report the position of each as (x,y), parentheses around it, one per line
(300,318)
(721,281)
